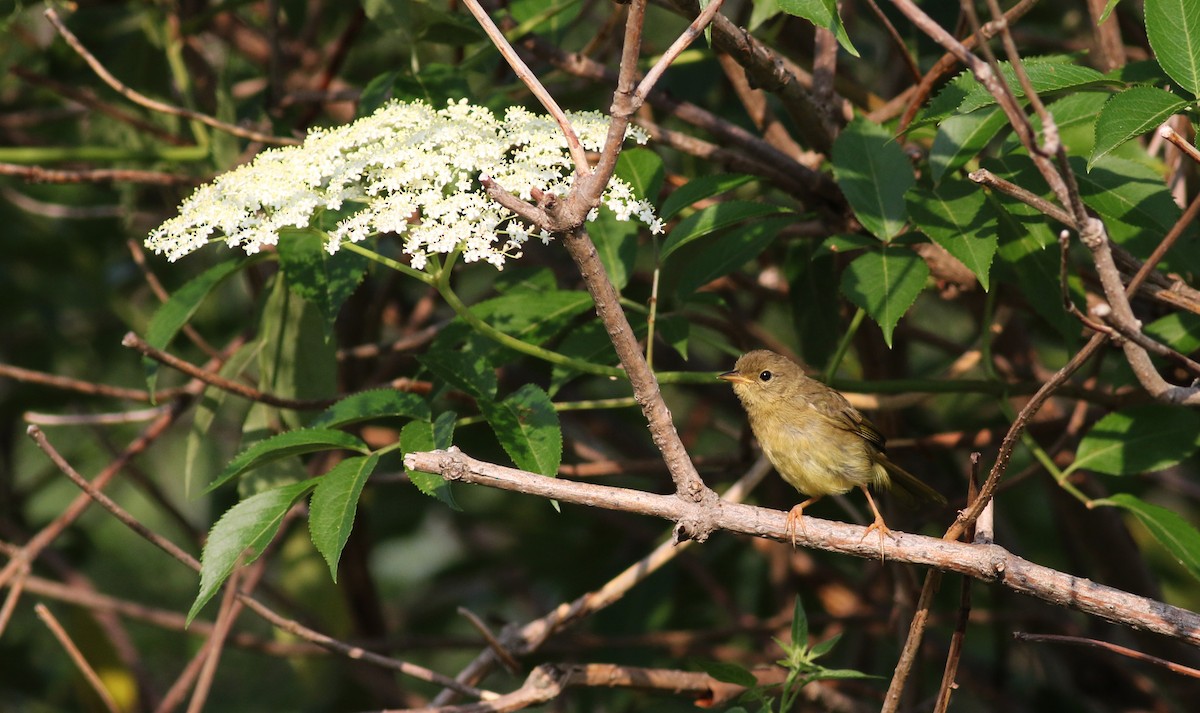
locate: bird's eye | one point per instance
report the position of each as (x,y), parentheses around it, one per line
(765,376)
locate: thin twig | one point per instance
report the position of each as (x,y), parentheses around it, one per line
(532,635)
(89,673)
(1107,646)
(38,174)
(212,378)
(529,79)
(151,104)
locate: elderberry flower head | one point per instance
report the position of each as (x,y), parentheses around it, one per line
(407,169)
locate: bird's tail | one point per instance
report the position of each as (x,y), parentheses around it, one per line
(908,485)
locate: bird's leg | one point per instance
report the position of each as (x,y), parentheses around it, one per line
(793,518)
(879,524)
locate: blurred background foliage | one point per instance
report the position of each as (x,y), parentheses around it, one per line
(72,286)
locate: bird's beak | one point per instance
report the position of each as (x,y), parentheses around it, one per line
(734,377)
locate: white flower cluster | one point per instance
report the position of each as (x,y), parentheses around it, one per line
(407,169)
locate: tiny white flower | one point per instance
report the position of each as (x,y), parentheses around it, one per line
(407,169)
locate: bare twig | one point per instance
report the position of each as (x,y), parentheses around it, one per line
(89,673)
(37,174)
(1115,648)
(532,635)
(212,378)
(151,104)
(529,79)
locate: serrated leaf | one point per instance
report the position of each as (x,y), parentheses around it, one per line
(874,174)
(322,279)
(957,216)
(823,14)
(711,219)
(171,315)
(1108,8)
(527,427)
(1177,535)
(642,169)
(533,317)
(700,188)
(1130,114)
(249,525)
(726,672)
(960,138)
(725,253)
(375,403)
(418,437)
(1139,439)
(1137,208)
(284,445)
(1173,28)
(1045,74)
(467,371)
(885,283)
(333,506)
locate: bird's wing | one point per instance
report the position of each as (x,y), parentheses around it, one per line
(839,411)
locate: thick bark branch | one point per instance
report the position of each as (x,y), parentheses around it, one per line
(987,563)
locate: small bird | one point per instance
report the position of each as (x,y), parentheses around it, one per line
(816,440)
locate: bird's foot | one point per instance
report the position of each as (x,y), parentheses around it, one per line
(794,517)
(882,527)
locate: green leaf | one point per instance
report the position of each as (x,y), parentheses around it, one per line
(333,506)
(1178,330)
(1174,533)
(322,279)
(1173,28)
(823,14)
(533,317)
(726,672)
(170,317)
(1045,74)
(468,371)
(813,297)
(724,254)
(957,216)
(249,525)
(616,244)
(1130,114)
(675,329)
(527,427)
(1137,208)
(960,138)
(1108,8)
(421,436)
(372,404)
(700,188)
(874,174)
(844,243)
(711,219)
(296,361)
(799,624)
(200,446)
(820,649)
(1139,439)
(642,169)
(885,283)
(283,445)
